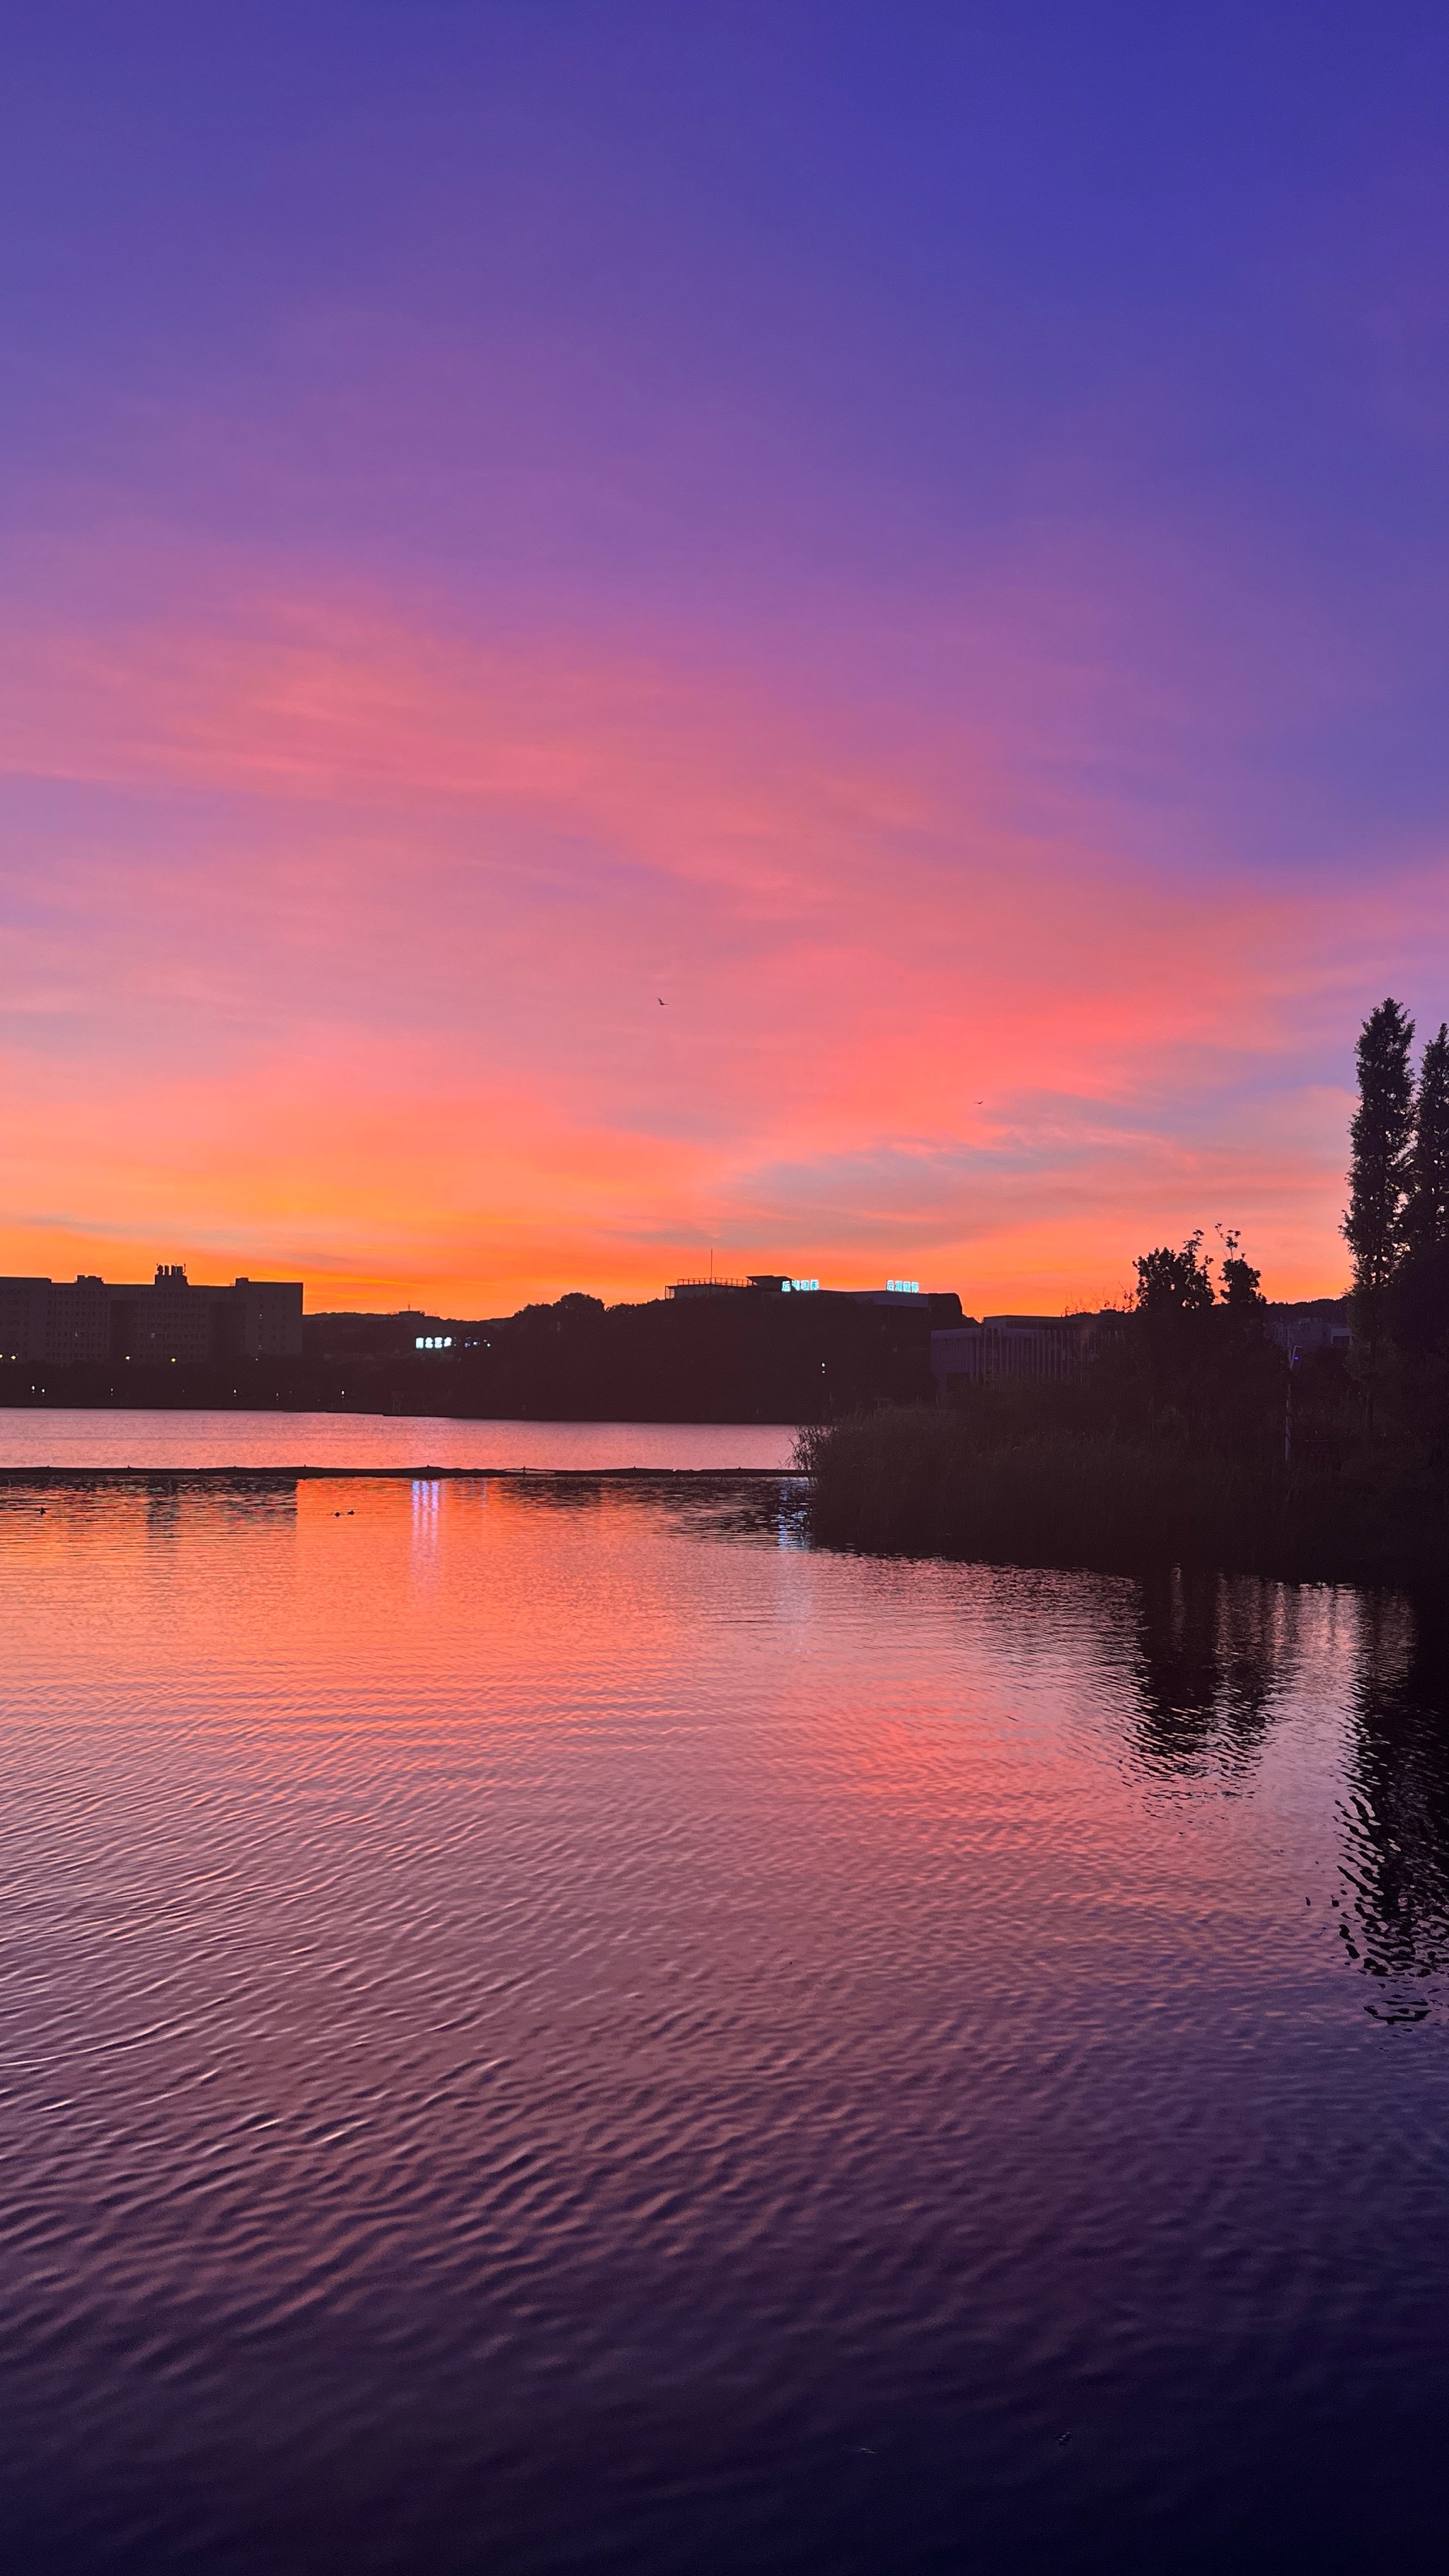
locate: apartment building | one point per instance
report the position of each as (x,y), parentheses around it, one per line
(55,1323)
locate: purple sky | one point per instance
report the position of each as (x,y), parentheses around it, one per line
(913,537)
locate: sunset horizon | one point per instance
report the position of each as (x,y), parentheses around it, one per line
(843,688)
(724,1288)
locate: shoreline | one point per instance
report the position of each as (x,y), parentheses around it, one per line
(65,1477)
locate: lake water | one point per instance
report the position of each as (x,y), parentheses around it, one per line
(69,1436)
(550,2027)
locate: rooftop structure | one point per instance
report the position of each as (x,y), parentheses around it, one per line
(896,1292)
(774,1283)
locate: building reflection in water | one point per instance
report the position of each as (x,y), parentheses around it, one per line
(427,1505)
(175,1505)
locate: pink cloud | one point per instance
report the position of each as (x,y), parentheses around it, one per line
(341,943)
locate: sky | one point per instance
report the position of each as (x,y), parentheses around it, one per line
(809,636)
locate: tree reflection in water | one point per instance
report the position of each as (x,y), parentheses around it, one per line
(1211,1650)
(1396,1811)
(1214,1655)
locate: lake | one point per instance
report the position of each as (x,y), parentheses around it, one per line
(123,1436)
(548,2025)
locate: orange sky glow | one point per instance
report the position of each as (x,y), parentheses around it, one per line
(636,635)
(453,974)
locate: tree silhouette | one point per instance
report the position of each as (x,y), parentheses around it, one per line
(1242,1284)
(1381,1133)
(1426,1211)
(1174,1283)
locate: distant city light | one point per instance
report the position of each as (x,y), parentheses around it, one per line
(802,1287)
(904,1287)
(433,1342)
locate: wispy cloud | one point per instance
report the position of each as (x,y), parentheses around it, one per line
(440,966)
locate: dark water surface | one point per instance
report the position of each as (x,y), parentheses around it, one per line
(547,2027)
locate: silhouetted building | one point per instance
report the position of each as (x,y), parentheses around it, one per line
(1315,1324)
(1020,1346)
(54,1323)
(773,1283)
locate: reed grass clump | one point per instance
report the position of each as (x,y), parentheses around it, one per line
(1025,1482)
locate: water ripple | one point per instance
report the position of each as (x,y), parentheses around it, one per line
(562,2033)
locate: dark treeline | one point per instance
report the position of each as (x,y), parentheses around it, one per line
(739,1358)
(1192,1437)
(1397,1226)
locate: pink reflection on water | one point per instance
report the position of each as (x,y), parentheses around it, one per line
(59,1436)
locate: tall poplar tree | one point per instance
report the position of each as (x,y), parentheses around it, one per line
(1426,1213)
(1381,1132)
